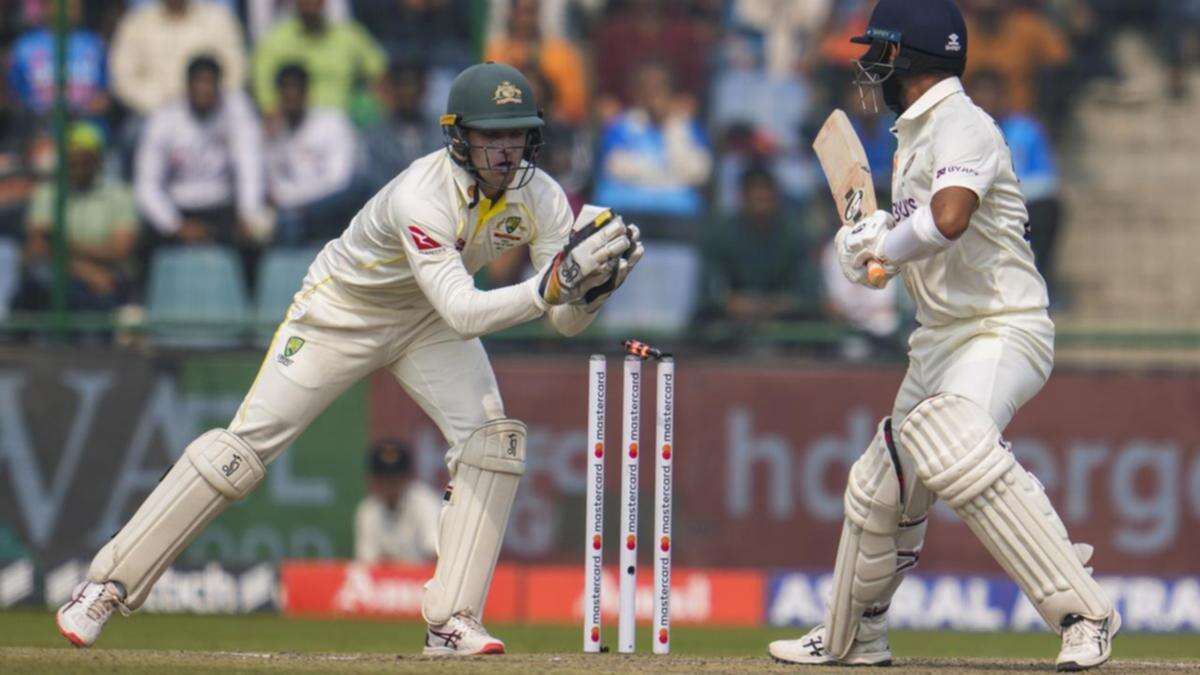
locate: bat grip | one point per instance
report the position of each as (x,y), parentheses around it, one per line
(876,276)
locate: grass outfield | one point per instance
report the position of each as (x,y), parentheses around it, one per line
(29,642)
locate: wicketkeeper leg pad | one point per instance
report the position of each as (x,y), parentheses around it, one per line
(216,469)
(867,561)
(472,525)
(960,457)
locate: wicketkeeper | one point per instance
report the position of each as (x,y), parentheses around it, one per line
(395,291)
(985,346)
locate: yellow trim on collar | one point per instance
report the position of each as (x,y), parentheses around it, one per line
(488,210)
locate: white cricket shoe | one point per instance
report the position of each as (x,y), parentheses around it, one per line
(870,648)
(1087,643)
(462,635)
(91,604)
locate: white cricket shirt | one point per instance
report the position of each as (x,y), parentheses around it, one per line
(419,240)
(406,534)
(945,140)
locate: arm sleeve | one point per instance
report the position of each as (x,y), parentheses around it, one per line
(439,272)
(124,214)
(965,154)
(151,176)
(366,537)
(39,216)
(373,60)
(341,146)
(265,63)
(127,74)
(688,157)
(247,156)
(232,52)
(553,228)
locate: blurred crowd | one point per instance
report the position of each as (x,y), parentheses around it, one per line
(257,125)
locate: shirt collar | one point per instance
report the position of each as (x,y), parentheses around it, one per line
(936,94)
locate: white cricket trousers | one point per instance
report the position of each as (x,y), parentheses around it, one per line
(345,340)
(999,363)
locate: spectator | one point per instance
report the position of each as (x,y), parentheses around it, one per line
(757,263)
(647,32)
(744,91)
(567,154)
(31,65)
(758,117)
(556,18)
(340,56)
(1179,28)
(1033,160)
(404,131)
(437,32)
(398,519)
(653,158)
(786,27)
(199,165)
(559,62)
(262,15)
(101,230)
(1017,43)
(310,164)
(154,44)
(16,172)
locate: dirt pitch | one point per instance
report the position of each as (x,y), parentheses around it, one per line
(42,660)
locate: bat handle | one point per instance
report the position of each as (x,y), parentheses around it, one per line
(876,276)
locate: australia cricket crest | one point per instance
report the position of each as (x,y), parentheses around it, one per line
(293,345)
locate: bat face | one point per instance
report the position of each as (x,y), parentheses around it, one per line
(844,161)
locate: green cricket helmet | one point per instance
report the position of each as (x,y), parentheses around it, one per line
(492,97)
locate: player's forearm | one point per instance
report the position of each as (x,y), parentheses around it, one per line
(915,238)
(472,312)
(571,319)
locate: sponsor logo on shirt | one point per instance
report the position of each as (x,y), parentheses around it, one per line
(507,232)
(422,241)
(904,208)
(952,170)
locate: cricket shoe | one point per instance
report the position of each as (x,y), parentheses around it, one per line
(870,648)
(1087,643)
(90,606)
(462,635)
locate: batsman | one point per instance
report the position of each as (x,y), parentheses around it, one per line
(396,291)
(956,234)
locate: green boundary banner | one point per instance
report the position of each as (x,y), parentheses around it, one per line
(86,434)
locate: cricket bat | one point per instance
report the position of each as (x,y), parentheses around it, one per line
(846,168)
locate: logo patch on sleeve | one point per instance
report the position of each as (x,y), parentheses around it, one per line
(423,241)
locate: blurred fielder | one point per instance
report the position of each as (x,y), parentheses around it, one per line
(957,235)
(395,291)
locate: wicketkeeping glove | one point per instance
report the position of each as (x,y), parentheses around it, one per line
(587,259)
(598,293)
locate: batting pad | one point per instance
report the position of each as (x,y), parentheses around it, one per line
(866,557)
(961,458)
(216,469)
(472,526)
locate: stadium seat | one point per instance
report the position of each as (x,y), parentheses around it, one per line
(660,295)
(10,273)
(198,295)
(280,272)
